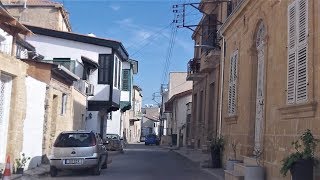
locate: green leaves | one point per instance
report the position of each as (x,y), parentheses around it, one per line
(309,143)
(21,162)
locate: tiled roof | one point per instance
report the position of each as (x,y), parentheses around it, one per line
(33,3)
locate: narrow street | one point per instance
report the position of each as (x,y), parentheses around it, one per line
(140,162)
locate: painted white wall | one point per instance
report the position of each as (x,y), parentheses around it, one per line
(93,124)
(5,42)
(125,96)
(33,124)
(116,95)
(180,110)
(51,47)
(113,125)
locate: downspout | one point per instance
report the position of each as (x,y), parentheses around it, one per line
(221,86)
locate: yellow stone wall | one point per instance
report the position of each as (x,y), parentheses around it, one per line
(17,69)
(282,123)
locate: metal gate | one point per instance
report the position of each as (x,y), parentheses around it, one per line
(5,97)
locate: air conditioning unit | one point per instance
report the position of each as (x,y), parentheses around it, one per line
(90,90)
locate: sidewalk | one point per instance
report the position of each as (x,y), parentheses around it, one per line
(36,172)
(200,159)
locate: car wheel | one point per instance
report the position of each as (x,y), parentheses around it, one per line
(97,170)
(53,171)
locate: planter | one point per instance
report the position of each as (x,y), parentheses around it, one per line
(302,169)
(254,173)
(230,164)
(19,171)
(216,157)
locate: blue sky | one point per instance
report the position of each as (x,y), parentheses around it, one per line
(143,28)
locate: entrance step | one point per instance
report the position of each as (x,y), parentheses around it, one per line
(239,168)
(232,175)
(250,161)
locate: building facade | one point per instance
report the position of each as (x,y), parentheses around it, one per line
(271,78)
(98,62)
(177,106)
(12,87)
(204,71)
(177,84)
(42,13)
(132,118)
(116,122)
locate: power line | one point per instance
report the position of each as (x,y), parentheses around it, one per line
(157,33)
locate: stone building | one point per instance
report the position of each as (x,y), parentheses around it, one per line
(132,118)
(271,74)
(64,107)
(204,71)
(42,13)
(12,87)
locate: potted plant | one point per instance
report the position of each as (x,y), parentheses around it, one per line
(20,163)
(217,145)
(301,162)
(231,162)
(255,172)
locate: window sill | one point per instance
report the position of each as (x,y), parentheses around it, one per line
(298,110)
(231,119)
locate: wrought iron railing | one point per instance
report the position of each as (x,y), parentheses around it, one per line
(193,66)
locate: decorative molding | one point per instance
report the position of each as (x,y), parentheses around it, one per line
(231,119)
(298,110)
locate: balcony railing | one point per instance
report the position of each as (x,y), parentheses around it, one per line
(6,49)
(84,87)
(194,69)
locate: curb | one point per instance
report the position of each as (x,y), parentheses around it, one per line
(198,164)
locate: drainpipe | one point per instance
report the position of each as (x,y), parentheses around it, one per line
(221,87)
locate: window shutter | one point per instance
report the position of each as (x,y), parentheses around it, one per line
(125,80)
(291,81)
(235,78)
(301,89)
(230,93)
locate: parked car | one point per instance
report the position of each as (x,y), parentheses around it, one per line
(115,143)
(75,150)
(152,139)
(142,139)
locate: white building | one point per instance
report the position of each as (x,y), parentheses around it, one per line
(115,124)
(99,62)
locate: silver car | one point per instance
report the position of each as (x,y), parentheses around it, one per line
(78,150)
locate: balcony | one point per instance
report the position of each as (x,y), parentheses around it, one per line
(210,60)
(84,87)
(194,70)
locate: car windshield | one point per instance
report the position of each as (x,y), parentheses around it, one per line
(75,140)
(113,136)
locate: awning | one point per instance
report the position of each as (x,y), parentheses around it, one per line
(90,62)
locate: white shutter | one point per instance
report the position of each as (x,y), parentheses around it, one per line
(235,78)
(232,84)
(230,94)
(291,81)
(302,27)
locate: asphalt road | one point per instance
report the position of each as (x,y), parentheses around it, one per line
(140,162)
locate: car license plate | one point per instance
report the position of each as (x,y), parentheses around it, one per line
(73,161)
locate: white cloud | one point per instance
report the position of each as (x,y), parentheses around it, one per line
(115,7)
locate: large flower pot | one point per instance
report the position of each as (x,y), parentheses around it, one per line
(230,164)
(19,171)
(254,173)
(216,157)
(302,169)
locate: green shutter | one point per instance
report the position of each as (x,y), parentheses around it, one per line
(126,79)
